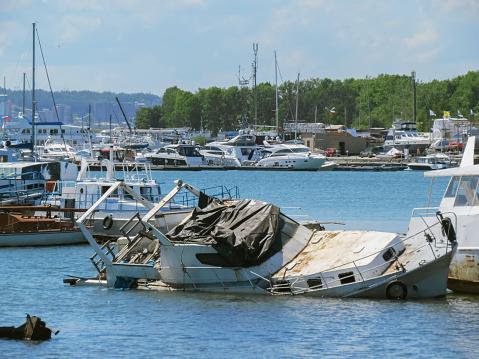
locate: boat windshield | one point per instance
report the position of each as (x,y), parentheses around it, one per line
(300,150)
(467,192)
(189,151)
(452,187)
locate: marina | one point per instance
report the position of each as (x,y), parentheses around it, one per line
(221,180)
(146,310)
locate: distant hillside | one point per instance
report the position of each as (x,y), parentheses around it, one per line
(79,100)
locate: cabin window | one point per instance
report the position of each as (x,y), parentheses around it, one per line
(476,198)
(389,254)
(314,283)
(452,187)
(106,188)
(346,277)
(466,191)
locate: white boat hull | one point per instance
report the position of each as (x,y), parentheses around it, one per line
(44,238)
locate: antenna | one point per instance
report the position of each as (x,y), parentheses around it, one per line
(255,69)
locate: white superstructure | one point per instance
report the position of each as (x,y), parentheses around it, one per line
(20,129)
(462,199)
(295,156)
(404,135)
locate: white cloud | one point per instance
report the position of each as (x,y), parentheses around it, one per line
(73,27)
(8,29)
(427,35)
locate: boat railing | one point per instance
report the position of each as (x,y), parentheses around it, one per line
(187,199)
(17,190)
(301,284)
(114,203)
(320,277)
(428,213)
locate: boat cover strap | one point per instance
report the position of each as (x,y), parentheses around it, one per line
(244,233)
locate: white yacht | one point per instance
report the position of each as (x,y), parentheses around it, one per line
(176,155)
(404,135)
(219,156)
(436,161)
(20,130)
(294,156)
(55,151)
(243,146)
(90,185)
(461,199)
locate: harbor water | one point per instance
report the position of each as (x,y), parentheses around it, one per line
(96,322)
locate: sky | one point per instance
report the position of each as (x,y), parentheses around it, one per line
(148,46)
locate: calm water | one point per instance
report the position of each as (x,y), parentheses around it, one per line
(111,323)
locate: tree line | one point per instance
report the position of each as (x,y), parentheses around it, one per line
(360,103)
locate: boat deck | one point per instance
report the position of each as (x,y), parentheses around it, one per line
(335,249)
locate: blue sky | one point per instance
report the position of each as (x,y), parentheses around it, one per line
(148,46)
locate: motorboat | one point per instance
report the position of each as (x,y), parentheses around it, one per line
(56,152)
(223,156)
(24,182)
(293,156)
(250,246)
(113,213)
(182,154)
(461,198)
(20,227)
(436,161)
(243,146)
(404,135)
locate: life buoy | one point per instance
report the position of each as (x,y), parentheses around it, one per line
(108,222)
(396,290)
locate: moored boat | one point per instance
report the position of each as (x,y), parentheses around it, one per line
(436,161)
(461,198)
(249,246)
(20,228)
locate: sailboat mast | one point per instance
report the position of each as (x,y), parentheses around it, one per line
(276,94)
(296,116)
(89,130)
(23,96)
(33,89)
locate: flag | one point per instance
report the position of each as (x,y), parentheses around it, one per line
(472,112)
(431,113)
(447,114)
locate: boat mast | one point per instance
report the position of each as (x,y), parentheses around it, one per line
(276,92)
(89,130)
(413,79)
(255,94)
(296,115)
(33,90)
(23,96)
